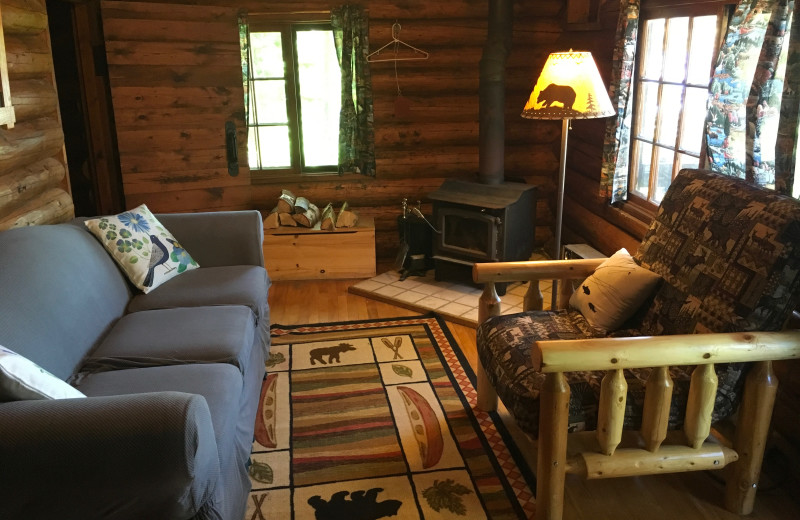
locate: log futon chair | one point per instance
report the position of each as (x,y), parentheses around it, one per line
(647,399)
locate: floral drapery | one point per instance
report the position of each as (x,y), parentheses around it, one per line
(244,48)
(614,175)
(752,118)
(356,132)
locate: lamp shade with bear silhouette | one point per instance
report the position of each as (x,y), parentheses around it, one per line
(569,87)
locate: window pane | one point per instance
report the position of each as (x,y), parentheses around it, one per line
(694,116)
(649,109)
(320,94)
(272,147)
(270,101)
(643,158)
(675,55)
(654,45)
(267,55)
(665,159)
(704,30)
(670,105)
(687,161)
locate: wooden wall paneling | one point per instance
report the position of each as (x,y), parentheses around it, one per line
(33,185)
(175,80)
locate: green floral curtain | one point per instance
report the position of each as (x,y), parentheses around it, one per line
(244,47)
(614,175)
(356,132)
(752,119)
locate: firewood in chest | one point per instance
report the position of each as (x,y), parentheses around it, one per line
(286,202)
(328,222)
(272,220)
(346,217)
(309,218)
(286,219)
(300,205)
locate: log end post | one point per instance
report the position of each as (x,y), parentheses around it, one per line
(552,459)
(752,430)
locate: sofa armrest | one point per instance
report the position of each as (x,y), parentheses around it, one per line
(114,457)
(220,238)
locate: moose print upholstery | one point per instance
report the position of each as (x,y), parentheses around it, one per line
(729,256)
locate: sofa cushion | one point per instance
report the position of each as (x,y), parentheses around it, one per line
(727,251)
(21,379)
(220,334)
(229,285)
(147,253)
(505,344)
(61,293)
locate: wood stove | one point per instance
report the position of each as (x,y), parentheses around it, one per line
(481,223)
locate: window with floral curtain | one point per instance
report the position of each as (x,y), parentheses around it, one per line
(751,130)
(614,175)
(356,132)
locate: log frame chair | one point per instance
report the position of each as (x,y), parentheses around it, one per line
(611,452)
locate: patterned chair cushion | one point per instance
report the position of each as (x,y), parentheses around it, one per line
(504,348)
(728,253)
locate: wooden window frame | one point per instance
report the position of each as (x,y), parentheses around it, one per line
(7,115)
(288,26)
(636,205)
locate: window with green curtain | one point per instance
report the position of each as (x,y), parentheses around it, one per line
(306,113)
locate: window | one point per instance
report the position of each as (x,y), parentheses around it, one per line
(294,97)
(671,87)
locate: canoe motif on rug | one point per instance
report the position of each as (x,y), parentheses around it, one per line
(377,419)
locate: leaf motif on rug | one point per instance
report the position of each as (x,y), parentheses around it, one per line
(403,371)
(446,494)
(262,472)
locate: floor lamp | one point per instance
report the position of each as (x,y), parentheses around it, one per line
(568,88)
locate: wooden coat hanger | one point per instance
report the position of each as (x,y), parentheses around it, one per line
(398,44)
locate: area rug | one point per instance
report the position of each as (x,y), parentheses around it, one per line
(377,419)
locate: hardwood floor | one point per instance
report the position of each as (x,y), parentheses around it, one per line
(689,496)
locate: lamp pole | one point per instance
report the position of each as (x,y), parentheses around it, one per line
(560,204)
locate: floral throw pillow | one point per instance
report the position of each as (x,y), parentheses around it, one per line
(22,379)
(144,249)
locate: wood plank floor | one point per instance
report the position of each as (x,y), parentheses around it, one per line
(684,496)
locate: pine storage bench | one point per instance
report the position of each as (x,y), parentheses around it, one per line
(297,253)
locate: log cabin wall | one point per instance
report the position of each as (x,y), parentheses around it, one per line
(34,188)
(165,116)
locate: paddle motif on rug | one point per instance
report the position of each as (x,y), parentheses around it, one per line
(377,419)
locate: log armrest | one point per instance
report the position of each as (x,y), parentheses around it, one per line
(219,238)
(534,270)
(107,457)
(654,351)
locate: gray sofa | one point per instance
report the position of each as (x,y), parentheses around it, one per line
(172,377)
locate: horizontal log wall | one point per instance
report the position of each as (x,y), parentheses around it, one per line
(34,188)
(176,80)
(438,139)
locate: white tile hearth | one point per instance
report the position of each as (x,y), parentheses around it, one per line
(454,301)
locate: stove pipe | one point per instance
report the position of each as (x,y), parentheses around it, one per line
(492,93)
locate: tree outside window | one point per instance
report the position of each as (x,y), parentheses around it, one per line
(294,99)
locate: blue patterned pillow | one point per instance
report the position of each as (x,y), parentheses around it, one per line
(144,249)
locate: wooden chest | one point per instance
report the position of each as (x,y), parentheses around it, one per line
(310,254)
